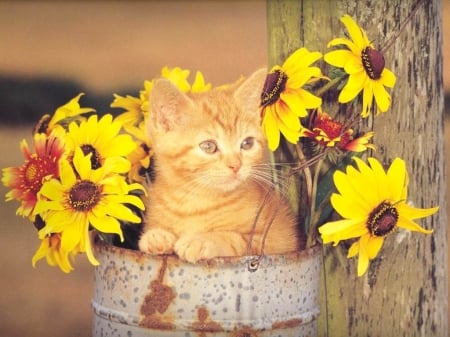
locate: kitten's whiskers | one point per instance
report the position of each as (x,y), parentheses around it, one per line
(266,172)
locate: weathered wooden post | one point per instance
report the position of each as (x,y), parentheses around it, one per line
(404,292)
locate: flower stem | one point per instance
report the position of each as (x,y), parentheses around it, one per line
(313,218)
(306,171)
(335,81)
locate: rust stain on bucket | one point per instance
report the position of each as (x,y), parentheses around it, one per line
(292,323)
(157,301)
(140,295)
(204,323)
(245,332)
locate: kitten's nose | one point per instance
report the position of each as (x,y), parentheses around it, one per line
(234,165)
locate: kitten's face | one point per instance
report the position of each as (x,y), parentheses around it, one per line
(212,141)
(227,151)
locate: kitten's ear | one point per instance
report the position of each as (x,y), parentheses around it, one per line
(248,94)
(168,105)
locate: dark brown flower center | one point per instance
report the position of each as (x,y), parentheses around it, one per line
(273,87)
(95,158)
(84,195)
(38,222)
(383,219)
(145,147)
(373,62)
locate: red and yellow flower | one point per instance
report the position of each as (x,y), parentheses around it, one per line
(26,181)
(328,132)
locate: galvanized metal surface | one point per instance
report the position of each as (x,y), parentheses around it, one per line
(137,294)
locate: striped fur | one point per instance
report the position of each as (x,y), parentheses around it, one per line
(203,205)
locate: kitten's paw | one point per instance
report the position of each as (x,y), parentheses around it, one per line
(196,247)
(157,241)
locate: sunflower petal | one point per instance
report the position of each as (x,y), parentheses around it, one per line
(106,224)
(363,256)
(302,77)
(367,99)
(52,190)
(310,101)
(382,97)
(290,134)
(348,208)
(287,118)
(271,129)
(342,41)
(356,33)
(71,236)
(413,213)
(412,226)
(82,163)
(353,87)
(353,65)
(117,164)
(375,190)
(374,245)
(380,178)
(353,250)
(363,262)
(88,249)
(338,58)
(299,60)
(342,230)
(388,78)
(199,84)
(397,179)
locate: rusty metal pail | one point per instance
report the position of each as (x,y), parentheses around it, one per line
(136,294)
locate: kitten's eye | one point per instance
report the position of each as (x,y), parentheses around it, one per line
(209,146)
(248,143)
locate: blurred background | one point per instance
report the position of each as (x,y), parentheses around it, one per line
(51,51)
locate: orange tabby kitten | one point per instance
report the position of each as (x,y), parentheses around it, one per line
(212,175)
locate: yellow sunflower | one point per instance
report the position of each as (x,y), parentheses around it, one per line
(64,114)
(199,84)
(179,77)
(101,138)
(50,248)
(136,112)
(365,66)
(85,197)
(133,118)
(284,100)
(373,204)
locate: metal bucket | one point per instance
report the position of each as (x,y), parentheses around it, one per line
(137,294)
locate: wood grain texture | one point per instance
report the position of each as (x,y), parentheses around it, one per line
(404,292)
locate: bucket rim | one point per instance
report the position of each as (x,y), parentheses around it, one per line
(101,246)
